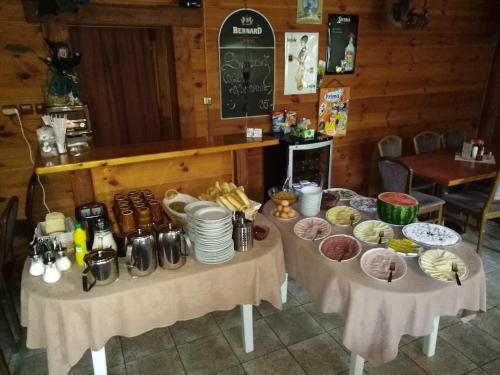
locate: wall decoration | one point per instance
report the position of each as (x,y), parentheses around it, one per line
(301,63)
(342,43)
(246,65)
(309,11)
(333,108)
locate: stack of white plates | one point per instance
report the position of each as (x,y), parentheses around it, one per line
(190,210)
(213,233)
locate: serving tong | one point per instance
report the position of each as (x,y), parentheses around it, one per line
(380,236)
(454,268)
(392,267)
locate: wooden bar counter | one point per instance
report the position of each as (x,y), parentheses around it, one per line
(189,165)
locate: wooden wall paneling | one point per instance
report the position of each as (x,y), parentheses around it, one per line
(191,175)
(405,80)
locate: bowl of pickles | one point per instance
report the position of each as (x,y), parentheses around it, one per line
(278,195)
(405,247)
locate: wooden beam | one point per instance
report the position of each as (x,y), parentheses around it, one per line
(241,167)
(115,15)
(83,187)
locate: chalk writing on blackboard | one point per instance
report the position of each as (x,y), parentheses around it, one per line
(246,66)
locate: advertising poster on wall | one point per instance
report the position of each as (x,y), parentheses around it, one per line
(309,11)
(333,108)
(301,63)
(342,43)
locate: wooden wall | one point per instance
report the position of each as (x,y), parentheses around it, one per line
(405,81)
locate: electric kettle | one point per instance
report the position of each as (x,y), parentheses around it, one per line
(140,248)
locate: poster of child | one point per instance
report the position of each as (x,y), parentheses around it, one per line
(309,11)
(301,63)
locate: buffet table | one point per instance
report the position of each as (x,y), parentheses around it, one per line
(67,321)
(378,313)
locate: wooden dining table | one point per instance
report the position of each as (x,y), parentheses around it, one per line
(442,168)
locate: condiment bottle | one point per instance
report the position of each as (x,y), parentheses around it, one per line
(37,268)
(51,274)
(80,240)
(62,261)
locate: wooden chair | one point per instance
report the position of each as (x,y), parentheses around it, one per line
(4,367)
(397,176)
(453,140)
(427,141)
(7,223)
(26,227)
(477,204)
(390,146)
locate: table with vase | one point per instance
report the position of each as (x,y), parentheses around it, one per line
(67,321)
(377,313)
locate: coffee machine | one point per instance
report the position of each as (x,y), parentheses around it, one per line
(88,215)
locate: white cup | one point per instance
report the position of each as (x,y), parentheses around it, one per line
(310,200)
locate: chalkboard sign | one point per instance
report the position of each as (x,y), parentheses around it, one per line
(246,65)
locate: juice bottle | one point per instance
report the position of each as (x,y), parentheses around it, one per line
(80,240)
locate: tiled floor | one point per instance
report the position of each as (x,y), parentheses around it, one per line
(297,340)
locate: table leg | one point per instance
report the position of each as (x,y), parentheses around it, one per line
(247,327)
(99,361)
(429,347)
(284,289)
(357,364)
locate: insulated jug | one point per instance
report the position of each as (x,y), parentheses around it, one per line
(141,252)
(173,245)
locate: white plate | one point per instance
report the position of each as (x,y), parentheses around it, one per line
(431,234)
(436,263)
(341,192)
(364,204)
(310,227)
(192,207)
(359,232)
(212,214)
(376,262)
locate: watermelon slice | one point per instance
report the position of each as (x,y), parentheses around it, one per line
(397,208)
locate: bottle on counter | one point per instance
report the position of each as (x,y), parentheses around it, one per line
(103,237)
(51,273)
(80,240)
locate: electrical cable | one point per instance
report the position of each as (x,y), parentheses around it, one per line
(31,159)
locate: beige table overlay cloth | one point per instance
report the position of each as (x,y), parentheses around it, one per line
(67,321)
(378,313)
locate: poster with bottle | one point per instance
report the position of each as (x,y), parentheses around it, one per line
(333,108)
(342,43)
(301,63)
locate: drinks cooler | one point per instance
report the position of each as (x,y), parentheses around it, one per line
(299,159)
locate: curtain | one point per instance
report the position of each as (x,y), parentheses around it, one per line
(117,78)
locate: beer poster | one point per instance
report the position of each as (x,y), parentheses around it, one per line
(342,43)
(301,63)
(333,108)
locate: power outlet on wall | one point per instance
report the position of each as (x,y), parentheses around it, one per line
(26,109)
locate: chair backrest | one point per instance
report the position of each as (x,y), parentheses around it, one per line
(7,223)
(396,176)
(453,139)
(390,146)
(427,141)
(494,196)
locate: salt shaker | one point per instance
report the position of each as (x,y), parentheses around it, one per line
(37,267)
(62,261)
(51,274)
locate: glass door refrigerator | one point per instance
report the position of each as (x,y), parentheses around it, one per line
(300,160)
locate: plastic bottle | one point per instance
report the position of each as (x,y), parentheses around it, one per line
(349,54)
(80,240)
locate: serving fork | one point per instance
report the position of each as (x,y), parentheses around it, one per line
(454,268)
(392,267)
(380,236)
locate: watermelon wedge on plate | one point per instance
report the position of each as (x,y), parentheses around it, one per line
(397,208)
